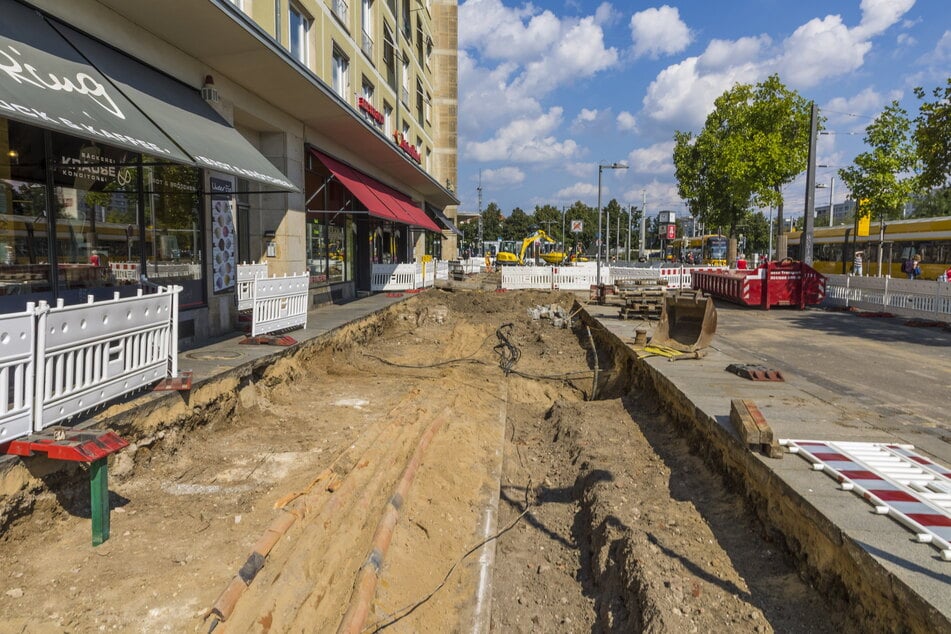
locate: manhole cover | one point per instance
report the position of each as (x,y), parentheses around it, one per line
(212,355)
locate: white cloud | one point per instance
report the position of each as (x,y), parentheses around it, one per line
(942,51)
(656,159)
(581,170)
(626,121)
(866,102)
(683,93)
(527,140)
(659,32)
(579,191)
(503,176)
(510,59)
(586,115)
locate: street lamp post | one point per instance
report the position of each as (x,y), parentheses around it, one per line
(601,168)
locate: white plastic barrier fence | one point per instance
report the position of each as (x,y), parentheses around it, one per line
(87,354)
(403,277)
(582,277)
(17,347)
(392,277)
(125,271)
(442,269)
(927,299)
(278,303)
(247,273)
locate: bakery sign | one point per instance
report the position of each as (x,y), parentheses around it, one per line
(406,146)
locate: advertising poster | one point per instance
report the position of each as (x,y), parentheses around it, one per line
(224,242)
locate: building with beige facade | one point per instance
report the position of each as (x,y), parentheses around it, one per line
(175,139)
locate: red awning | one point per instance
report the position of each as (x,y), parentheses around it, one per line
(357,183)
(380,200)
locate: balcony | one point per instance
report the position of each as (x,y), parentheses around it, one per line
(367,45)
(342,11)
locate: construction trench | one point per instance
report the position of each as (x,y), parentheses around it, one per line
(460,461)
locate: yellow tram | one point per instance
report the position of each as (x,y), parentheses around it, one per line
(835,247)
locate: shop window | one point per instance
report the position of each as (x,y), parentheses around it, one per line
(85,233)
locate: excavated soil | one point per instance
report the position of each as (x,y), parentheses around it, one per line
(596,516)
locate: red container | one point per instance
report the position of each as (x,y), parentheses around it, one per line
(773,284)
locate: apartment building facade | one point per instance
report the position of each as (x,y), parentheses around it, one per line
(176,139)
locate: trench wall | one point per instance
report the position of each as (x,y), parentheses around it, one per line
(826,556)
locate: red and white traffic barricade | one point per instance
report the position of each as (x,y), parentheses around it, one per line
(896,480)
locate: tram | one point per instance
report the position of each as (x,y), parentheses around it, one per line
(835,247)
(710,249)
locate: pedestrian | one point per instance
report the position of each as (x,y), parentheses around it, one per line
(913,267)
(857,263)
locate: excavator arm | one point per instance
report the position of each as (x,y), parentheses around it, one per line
(530,240)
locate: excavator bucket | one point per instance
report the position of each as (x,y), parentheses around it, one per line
(688,321)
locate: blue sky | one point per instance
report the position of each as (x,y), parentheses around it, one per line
(550,89)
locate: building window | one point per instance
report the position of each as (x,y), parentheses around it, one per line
(367,18)
(404,93)
(342,10)
(429,160)
(299,29)
(389,56)
(419,102)
(341,74)
(428,107)
(387,118)
(277,20)
(407,22)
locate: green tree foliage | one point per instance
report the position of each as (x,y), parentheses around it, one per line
(756,230)
(518,225)
(936,202)
(933,136)
(755,140)
(883,178)
(492,222)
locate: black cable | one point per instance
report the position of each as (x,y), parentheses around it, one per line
(508,352)
(409,609)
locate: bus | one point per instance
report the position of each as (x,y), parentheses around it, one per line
(834,247)
(709,249)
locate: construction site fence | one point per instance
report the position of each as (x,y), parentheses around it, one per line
(402,277)
(278,303)
(247,273)
(925,299)
(57,362)
(582,277)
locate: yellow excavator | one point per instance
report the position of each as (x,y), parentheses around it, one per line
(507,255)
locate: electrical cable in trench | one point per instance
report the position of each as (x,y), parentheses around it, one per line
(409,609)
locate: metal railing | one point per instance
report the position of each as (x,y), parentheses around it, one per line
(61,361)
(927,299)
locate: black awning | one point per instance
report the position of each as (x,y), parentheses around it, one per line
(182,114)
(45,82)
(54,77)
(442,219)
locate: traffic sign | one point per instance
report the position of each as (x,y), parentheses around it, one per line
(577,226)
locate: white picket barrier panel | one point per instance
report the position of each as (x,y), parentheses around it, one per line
(926,299)
(247,273)
(527,277)
(278,303)
(17,346)
(87,354)
(570,278)
(392,277)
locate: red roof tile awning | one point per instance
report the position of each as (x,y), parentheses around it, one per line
(380,200)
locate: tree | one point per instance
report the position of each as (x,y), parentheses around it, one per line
(933,137)
(517,226)
(936,202)
(548,217)
(884,177)
(755,140)
(492,222)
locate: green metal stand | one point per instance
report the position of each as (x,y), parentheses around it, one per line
(99,499)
